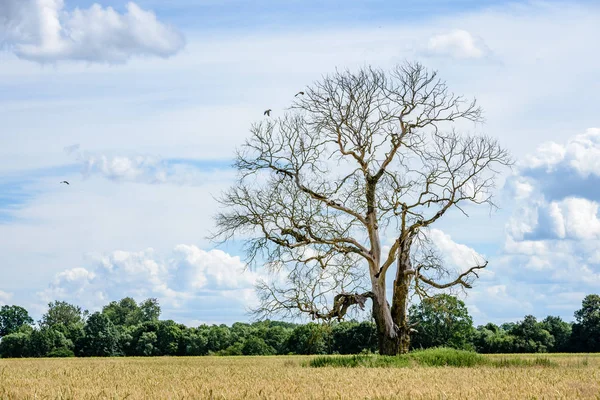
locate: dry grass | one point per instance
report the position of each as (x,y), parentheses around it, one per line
(575,377)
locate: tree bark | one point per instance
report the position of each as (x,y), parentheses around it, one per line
(401,292)
(387,337)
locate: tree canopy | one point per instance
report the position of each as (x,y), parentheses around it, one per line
(441,320)
(12,318)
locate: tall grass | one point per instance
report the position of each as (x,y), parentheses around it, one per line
(436,357)
(442,356)
(359,360)
(523,362)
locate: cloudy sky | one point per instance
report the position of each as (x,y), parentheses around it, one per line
(140,105)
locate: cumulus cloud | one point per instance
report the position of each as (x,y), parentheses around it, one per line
(458,44)
(149,169)
(187,277)
(459,255)
(45,31)
(580,154)
(554,234)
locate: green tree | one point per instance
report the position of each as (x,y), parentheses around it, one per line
(168,337)
(240,331)
(441,320)
(61,312)
(126,335)
(256,346)
(276,337)
(14,345)
(308,339)
(493,339)
(12,318)
(150,309)
(101,337)
(124,312)
(560,331)
(353,337)
(195,342)
(44,341)
(586,330)
(531,337)
(219,338)
(147,344)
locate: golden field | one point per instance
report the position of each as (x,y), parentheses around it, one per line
(575,377)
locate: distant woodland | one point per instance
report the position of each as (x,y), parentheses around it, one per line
(127,328)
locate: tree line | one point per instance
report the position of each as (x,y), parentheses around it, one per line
(127,328)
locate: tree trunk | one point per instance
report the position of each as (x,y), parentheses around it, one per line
(400,314)
(399,309)
(393,329)
(387,335)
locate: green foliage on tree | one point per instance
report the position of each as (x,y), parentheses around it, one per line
(441,320)
(195,342)
(44,341)
(101,337)
(308,339)
(275,337)
(256,346)
(150,309)
(586,330)
(531,336)
(14,345)
(63,313)
(12,318)
(493,339)
(560,331)
(354,337)
(124,312)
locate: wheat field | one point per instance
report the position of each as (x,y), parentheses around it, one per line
(574,377)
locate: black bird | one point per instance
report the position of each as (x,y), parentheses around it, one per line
(65,182)
(302,93)
(267,112)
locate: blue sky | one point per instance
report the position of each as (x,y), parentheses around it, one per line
(142,107)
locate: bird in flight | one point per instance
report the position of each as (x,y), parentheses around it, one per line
(302,93)
(267,112)
(65,182)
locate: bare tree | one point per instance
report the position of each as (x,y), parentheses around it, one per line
(359,158)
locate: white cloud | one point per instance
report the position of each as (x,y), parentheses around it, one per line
(522,189)
(181,280)
(498,303)
(558,220)
(149,169)
(576,218)
(547,155)
(214,269)
(44,31)
(459,255)
(61,223)
(581,154)
(554,233)
(457,44)
(556,189)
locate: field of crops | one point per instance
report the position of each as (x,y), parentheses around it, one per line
(571,377)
